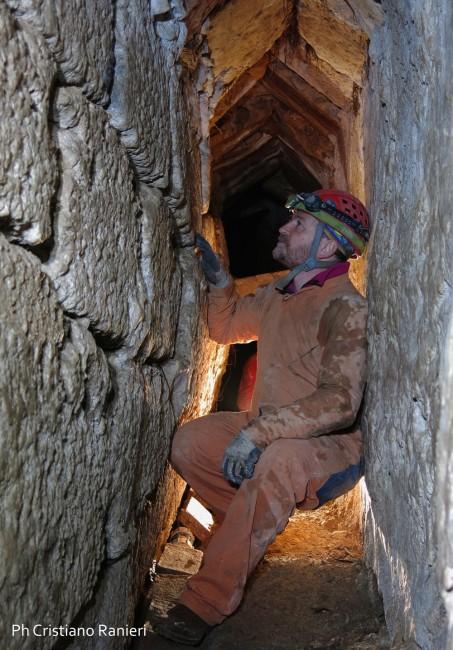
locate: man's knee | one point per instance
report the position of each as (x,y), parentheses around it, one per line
(203,441)
(288,462)
(284,449)
(277,457)
(182,446)
(191,440)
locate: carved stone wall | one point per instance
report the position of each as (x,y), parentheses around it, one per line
(410,161)
(101,304)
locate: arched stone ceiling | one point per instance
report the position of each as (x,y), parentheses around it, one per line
(280,82)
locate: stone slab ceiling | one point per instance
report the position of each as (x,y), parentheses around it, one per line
(281,75)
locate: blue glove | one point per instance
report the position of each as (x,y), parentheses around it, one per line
(240,459)
(210,263)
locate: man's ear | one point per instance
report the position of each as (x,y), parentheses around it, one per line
(327,248)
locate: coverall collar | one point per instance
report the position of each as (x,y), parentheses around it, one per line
(320,278)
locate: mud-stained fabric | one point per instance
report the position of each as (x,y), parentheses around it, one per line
(311,355)
(290,473)
(310,378)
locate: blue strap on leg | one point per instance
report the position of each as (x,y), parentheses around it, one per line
(340,482)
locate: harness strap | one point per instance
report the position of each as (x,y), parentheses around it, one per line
(310,263)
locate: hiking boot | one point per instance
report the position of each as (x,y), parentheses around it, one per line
(183,626)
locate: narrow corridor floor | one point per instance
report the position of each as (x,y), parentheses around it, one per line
(311,591)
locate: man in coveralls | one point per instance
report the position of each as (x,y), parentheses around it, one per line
(299,445)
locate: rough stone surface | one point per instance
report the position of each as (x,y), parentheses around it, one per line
(158,517)
(332,30)
(28,168)
(112,605)
(193,373)
(184,202)
(250,29)
(180,558)
(96,226)
(180,197)
(318,73)
(169,24)
(445,483)
(161,274)
(197,12)
(54,383)
(80,35)
(140,423)
(411,300)
(283,77)
(86,411)
(140,104)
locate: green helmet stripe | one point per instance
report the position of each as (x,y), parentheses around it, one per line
(356,240)
(342,228)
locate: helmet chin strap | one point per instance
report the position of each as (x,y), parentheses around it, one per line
(309,263)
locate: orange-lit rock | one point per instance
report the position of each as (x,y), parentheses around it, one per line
(241,33)
(332,29)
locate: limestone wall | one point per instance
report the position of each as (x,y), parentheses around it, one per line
(410,162)
(102,346)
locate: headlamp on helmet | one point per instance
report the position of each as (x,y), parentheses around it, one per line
(345,218)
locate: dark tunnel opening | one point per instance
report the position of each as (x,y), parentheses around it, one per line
(251,217)
(251,221)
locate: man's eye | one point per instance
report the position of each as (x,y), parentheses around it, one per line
(298,222)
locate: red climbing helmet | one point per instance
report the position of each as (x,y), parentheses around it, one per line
(344,217)
(345,202)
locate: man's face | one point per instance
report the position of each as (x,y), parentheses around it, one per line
(295,238)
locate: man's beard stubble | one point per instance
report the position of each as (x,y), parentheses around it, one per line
(287,257)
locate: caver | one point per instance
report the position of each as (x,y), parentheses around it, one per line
(299,444)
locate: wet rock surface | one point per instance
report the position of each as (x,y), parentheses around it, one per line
(162,275)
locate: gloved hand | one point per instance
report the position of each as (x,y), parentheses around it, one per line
(210,263)
(240,459)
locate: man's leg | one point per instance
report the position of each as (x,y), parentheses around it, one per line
(197,453)
(289,473)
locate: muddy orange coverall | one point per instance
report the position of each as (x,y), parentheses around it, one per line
(310,379)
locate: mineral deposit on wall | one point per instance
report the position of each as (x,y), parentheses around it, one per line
(96,222)
(444,487)
(54,384)
(141,117)
(101,327)
(79,35)
(28,166)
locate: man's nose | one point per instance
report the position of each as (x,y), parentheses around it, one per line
(285,228)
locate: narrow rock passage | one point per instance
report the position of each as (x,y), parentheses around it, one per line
(310,591)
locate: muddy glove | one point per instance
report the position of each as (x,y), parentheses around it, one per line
(210,263)
(240,459)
